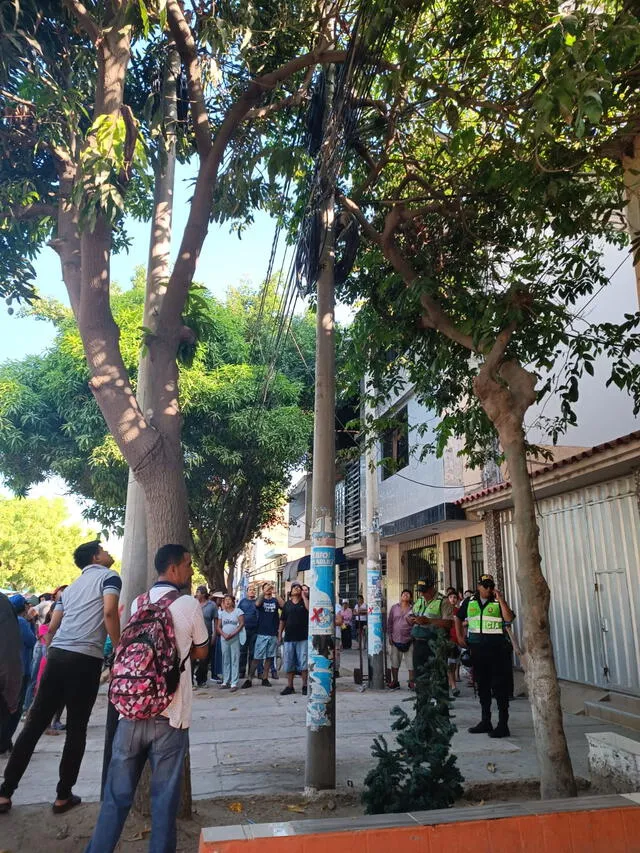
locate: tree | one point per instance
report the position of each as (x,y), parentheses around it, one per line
(483,229)
(37,542)
(73,77)
(239,448)
(420,773)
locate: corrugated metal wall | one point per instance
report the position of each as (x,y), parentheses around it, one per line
(590,539)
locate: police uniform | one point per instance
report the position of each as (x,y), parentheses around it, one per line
(437,608)
(491,659)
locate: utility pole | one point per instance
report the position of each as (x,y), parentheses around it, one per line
(375,635)
(320,766)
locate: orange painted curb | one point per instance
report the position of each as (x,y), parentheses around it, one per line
(610,830)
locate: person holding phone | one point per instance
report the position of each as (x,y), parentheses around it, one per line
(487,615)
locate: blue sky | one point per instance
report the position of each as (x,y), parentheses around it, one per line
(225,261)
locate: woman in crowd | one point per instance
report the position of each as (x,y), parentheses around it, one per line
(347,619)
(230,625)
(400,642)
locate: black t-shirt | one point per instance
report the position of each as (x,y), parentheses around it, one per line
(268,617)
(296,622)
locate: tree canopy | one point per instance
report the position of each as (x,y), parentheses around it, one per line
(37,541)
(239,452)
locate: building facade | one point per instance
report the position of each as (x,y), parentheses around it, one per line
(589,520)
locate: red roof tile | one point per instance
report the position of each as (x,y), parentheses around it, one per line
(561,463)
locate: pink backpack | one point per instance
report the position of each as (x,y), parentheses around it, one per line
(146,669)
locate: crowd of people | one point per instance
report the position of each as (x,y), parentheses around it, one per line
(55,647)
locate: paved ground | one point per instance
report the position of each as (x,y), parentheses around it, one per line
(253,742)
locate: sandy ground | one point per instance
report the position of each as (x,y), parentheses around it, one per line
(34,829)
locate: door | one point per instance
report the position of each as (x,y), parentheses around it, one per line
(421,562)
(619,655)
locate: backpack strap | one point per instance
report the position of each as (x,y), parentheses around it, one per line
(168,598)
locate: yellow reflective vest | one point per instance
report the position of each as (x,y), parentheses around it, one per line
(484,620)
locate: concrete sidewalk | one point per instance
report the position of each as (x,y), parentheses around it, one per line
(253,742)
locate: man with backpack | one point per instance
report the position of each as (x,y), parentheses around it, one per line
(151,689)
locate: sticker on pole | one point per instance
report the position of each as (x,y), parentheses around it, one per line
(322,568)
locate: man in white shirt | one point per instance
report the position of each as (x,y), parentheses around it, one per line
(164,740)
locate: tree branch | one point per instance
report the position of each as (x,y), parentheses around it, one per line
(434,317)
(290,101)
(29,211)
(186,46)
(79,11)
(198,221)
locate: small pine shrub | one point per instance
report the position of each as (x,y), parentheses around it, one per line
(420,773)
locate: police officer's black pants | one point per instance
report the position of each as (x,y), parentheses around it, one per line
(492,672)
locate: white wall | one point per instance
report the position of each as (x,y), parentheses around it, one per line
(421,483)
(603,413)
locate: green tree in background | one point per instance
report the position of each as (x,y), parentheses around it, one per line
(239,454)
(37,542)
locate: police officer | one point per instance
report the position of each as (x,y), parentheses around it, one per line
(430,613)
(487,613)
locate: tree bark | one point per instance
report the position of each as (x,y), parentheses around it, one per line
(631,175)
(505,396)
(137,560)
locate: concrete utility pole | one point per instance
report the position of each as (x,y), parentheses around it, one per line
(375,635)
(320,766)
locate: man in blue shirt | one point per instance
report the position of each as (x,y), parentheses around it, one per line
(248,607)
(28,641)
(266,644)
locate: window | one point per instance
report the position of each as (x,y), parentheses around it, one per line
(420,563)
(348,581)
(455,564)
(352,531)
(395,445)
(477,558)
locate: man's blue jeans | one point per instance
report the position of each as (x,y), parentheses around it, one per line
(39,651)
(134,742)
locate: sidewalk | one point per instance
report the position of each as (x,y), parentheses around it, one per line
(253,742)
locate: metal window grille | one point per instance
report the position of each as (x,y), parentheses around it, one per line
(340,498)
(352,529)
(477,558)
(455,563)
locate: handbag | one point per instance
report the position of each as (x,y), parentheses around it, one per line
(402,647)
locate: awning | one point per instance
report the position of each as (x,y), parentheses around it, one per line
(430,517)
(291,570)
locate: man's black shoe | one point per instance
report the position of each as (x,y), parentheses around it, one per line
(247,684)
(501,730)
(266,682)
(287,691)
(483,728)
(304,690)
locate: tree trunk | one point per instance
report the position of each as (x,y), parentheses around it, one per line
(213,570)
(505,400)
(137,561)
(631,174)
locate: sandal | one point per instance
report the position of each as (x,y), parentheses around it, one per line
(71,802)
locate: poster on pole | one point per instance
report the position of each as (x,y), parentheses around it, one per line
(374,607)
(322,570)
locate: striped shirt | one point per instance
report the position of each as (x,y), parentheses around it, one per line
(82,628)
